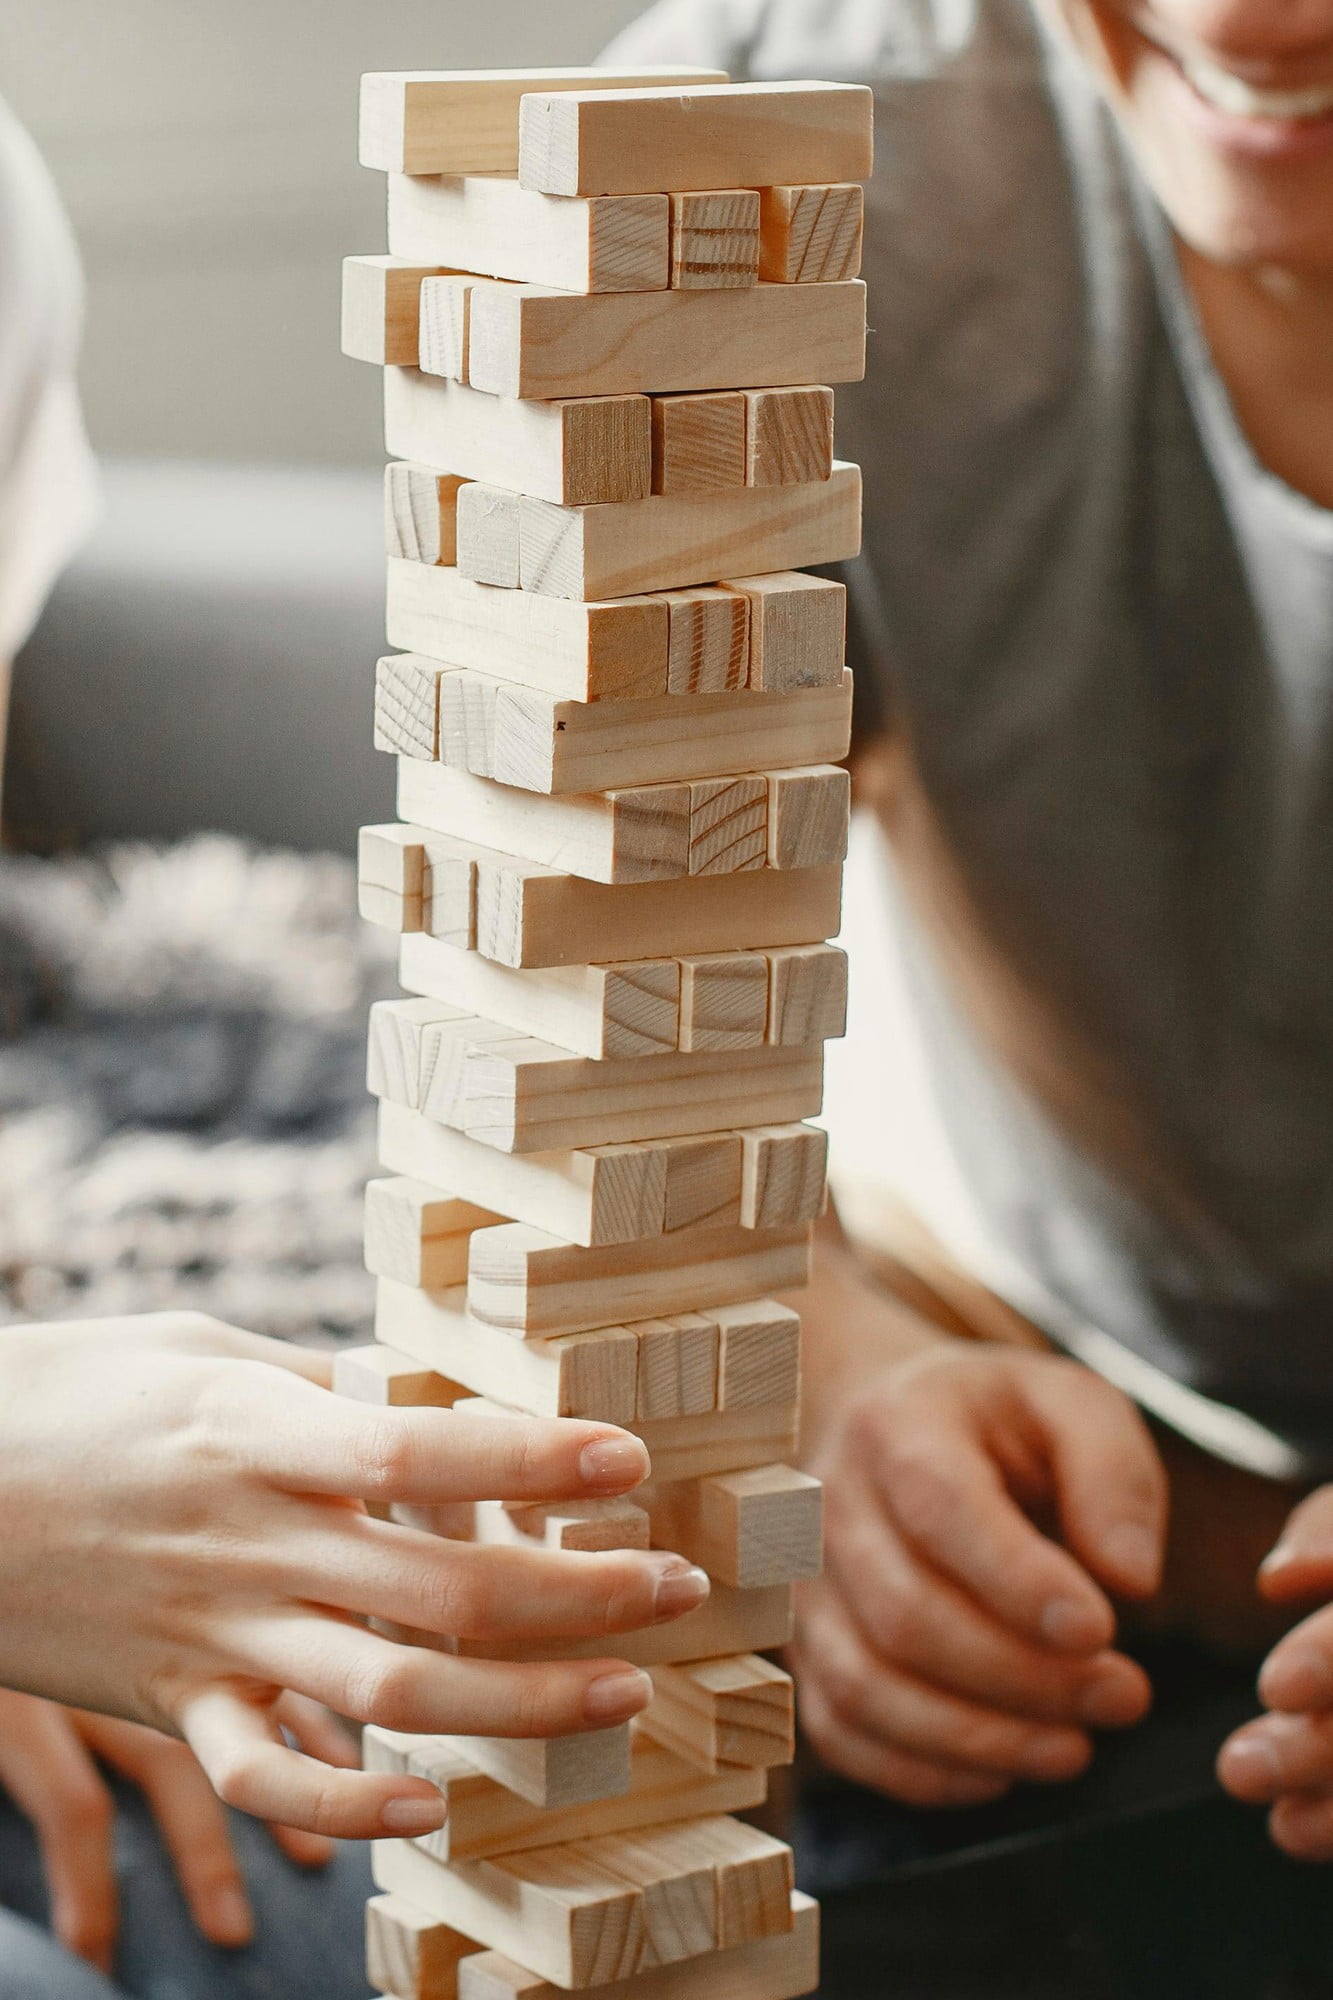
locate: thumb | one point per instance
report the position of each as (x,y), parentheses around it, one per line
(1301,1564)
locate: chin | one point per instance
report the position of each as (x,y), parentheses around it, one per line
(1241,218)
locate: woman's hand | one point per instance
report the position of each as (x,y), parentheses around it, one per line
(183,1541)
(49,1767)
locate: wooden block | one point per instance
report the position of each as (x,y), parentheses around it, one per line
(728,825)
(407,701)
(747,1529)
(394,1045)
(633,833)
(522,737)
(604,1194)
(527,1281)
(420,512)
(444,326)
(715,238)
(703,1182)
(530,342)
(698,442)
(679,1889)
(419,1236)
(807,994)
(488,534)
(708,645)
(774,1968)
(586,1526)
(788,436)
(670,540)
(380,304)
(677,1367)
(713,1713)
(783,1176)
(811,235)
(553,1771)
(723,1001)
(759,1355)
(798,630)
(701,136)
(571,651)
(385,1377)
(390,876)
(576,450)
(465,121)
(411,1955)
(581,1375)
(527,915)
(491,225)
(597,1010)
(754,1876)
(809,816)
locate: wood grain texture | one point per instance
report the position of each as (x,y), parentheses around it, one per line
(713,1713)
(487,534)
(678,1885)
(714,238)
(492,226)
(754,1876)
(728,825)
(412,1955)
(632,833)
(758,1356)
(593,1010)
(576,451)
(784,1175)
(588,1526)
(390,876)
(708,640)
(420,510)
(811,235)
(390,1380)
(529,342)
(721,135)
(809,816)
(798,630)
(699,442)
(677,1367)
(553,1772)
(723,1001)
(788,436)
(747,1529)
(807,994)
(703,1182)
(417,1235)
(380,306)
(444,327)
(407,702)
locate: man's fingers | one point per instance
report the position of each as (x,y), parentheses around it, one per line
(1278,1754)
(56,1785)
(1298,1673)
(912,1780)
(1302,1826)
(1302,1561)
(1110,1484)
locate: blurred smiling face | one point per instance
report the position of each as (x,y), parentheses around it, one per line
(1228,105)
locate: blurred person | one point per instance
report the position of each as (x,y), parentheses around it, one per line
(1091,1058)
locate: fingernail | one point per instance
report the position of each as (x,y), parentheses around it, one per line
(1112,1699)
(680,1588)
(1252,1763)
(414,1815)
(1278,1557)
(232,1922)
(1297,1679)
(1072,1626)
(1134,1553)
(614,1463)
(616,1697)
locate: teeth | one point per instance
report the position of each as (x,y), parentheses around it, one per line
(1221,87)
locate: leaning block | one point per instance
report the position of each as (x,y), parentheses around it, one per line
(783,1175)
(420,513)
(601,1011)
(492,226)
(708,640)
(753,134)
(418,1235)
(383,1376)
(809,816)
(758,1356)
(728,825)
(553,1771)
(488,534)
(788,436)
(699,442)
(407,705)
(411,1955)
(747,1529)
(807,994)
(632,833)
(811,235)
(798,630)
(380,307)
(715,238)
(724,1000)
(714,1713)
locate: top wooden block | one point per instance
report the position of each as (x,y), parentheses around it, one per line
(669,139)
(465,121)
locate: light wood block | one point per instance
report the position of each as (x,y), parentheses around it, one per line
(724,999)
(634,833)
(715,238)
(420,512)
(775,1968)
(388,911)
(419,1236)
(382,1376)
(708,640)
(703,1182)
(390,876)
(585,1526)
(667,541)
(699,442)
(488,535)
(679,1889)
(570,651)
(677,1367)
(789,436)
(809,816)
(444,327)
(486,1819)
(759,1355)
(407,705)
(748,1529)
(553,1772)
(576,450)
(380,305)
(604,1194)
(754,1876)
(491,225)
(811,235)
(784,1177)
(524,1280)
(395,1045)
(807,994)
(522,737)
(411,1955)
(580,1375)
(633,140)
(798,630)
(728,825)
(465,121)
(698,1446)
(595,1010)
(530,342)
(713,1713)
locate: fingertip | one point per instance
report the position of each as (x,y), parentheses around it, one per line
(227,1919)
(614,1463)
(1132,1556)
(1077,1624)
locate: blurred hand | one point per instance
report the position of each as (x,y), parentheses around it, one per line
(48,1768)
(981,1505)
(183,1539)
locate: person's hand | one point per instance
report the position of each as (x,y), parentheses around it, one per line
(49,1767)
(982,1506)
(1285,1760)
(183,1540)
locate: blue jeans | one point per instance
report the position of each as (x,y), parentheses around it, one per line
(309,1928)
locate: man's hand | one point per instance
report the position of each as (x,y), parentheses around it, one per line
(47,1767)
(1286,1760)
(983,1506)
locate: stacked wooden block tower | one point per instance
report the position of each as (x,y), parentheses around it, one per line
(610,319)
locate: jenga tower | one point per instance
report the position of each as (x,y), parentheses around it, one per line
(608,318)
